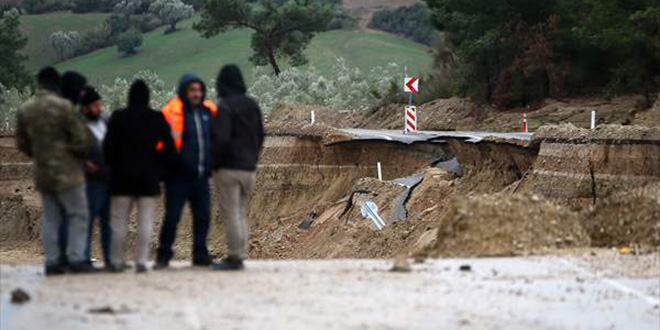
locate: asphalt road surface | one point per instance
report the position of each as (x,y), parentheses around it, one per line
(560,292)
(399,136)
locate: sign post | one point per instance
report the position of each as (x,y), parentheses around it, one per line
(410,86)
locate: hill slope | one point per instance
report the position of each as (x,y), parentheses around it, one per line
(38,29)
(186,51)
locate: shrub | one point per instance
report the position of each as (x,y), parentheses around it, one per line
(129,42)
(10,100)
(343,20)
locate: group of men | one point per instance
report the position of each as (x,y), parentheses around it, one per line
(88,167)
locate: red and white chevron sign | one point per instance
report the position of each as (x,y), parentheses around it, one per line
(411,85)
(411,120)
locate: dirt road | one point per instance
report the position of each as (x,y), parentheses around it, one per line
(605,291)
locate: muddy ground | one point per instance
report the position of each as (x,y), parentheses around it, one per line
(599,290)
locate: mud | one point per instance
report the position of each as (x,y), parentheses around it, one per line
(630,218)
(496,225)
(579,166)
(575,179)
(463,114)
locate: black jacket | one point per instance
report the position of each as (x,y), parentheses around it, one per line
(95,156)
(137,147)
(237,129)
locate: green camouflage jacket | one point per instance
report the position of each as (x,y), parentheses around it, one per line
(49,130)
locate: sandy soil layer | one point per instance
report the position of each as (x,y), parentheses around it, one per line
(600,291)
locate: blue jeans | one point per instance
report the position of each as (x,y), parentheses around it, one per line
(98,199)
(178,191)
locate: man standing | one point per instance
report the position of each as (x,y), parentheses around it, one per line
(138,144)
(71,85)
(189,117)
(49,131)
(238,136)
(98,197)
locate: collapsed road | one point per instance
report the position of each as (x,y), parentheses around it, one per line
(427,136)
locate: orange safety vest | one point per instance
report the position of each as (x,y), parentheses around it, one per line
(173,112)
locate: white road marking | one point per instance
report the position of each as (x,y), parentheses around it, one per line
(625,289)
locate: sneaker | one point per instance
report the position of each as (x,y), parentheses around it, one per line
(141,269)
(82,268)
(228,265)
(202,260)
(54,270)
(161,265)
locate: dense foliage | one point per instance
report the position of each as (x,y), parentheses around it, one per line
(12,70)
(282,28)
(45,6)
(345,88)
(129,42)
(516,52)
(413,22)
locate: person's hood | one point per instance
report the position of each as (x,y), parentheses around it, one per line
(72,84)
(138,96)
(185,81)
(230,82)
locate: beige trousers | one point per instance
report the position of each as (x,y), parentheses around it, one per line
(120,211)
(232,190)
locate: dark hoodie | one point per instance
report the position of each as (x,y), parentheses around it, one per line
(72,86)
(196,150)
(238,131)
(137,146)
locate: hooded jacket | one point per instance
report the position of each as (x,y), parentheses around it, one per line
(238,131)
(137,146)
(191,129)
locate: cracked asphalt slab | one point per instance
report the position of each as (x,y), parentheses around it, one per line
(553,292)
(425,136)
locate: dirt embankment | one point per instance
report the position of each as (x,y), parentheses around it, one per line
(301,178)
(501,224)
(540,196)
(579,166)
(627,218)
(463,114)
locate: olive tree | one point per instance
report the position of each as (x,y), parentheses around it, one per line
(66,43)
(171,12)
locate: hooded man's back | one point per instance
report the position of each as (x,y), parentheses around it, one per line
(238,132)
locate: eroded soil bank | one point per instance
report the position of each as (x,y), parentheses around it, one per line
(569,188)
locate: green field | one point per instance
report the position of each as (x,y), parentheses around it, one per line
(38,29)
(174,54)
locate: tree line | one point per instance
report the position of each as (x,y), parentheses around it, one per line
(517,52)
(412,22)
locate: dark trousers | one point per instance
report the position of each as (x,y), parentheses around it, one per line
(98,199)
(177,193)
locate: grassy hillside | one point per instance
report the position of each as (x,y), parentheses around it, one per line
(38,29)
(185,51)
